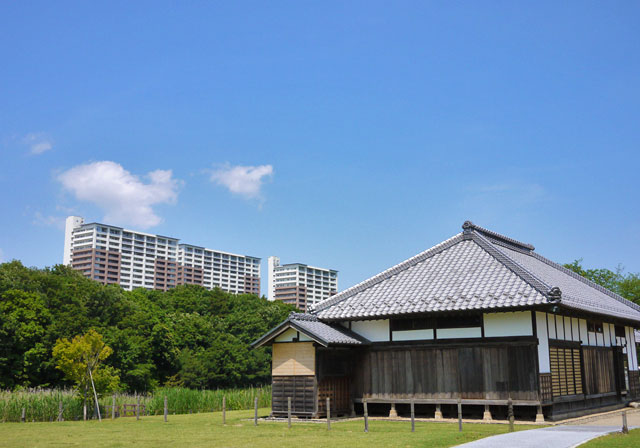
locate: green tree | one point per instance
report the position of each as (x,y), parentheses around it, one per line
(81,362)
(23,322)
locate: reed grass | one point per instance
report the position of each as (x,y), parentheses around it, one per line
(41,405)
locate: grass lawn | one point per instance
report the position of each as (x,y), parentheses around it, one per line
(206,430)
(617,440)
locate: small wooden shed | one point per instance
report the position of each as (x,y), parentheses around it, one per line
(310,363)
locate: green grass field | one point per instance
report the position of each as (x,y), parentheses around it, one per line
(617,440)
(206,430)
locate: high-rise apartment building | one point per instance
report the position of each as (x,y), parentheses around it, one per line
(299,284)
(132,259)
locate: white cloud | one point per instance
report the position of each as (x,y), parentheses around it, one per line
(124,197)
(1,256)
(48,221)
(242,180)
(37,143)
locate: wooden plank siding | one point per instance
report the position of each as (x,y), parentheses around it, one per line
(599,372)
(293,358)
(301,389)
(467,372)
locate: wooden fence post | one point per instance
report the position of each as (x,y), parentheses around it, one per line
(60,411)
(113,406)
(138,409)
(166,409)
(255,412)
(366,415)
(459,415)
(23,417)
(625,428)
(510,414)
(413,417)
(289,412)
(328,414)
(224,410)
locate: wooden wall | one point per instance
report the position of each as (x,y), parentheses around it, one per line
(301,389)
(599,371)
(478,371)
(293,358)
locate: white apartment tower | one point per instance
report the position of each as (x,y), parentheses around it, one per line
(132,259)
(299,284)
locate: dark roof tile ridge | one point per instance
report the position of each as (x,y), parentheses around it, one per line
(512,264)
(588,282)
(402,266)
(303,316)
(468,225)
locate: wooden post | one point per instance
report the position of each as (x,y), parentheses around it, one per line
(113,407)
(60,411)
(328,414)
(625,428)
(413,417)
(289,412)
(510,414)
(459,415)
(138,409)
(23,417)
(84,412)
(166,409)
(366,415)
(255,412)
(224,409)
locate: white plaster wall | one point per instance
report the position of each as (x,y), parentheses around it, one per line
(634,349)
(551,320)
(374,330)
(606,327)
(456,333)
(412,335)
(508,324)
(290,334)
(583,331)
(543,342)
(575,327)
(631,349)
(559,327)
(568,335)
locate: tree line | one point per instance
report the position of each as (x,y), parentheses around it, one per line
(187,336)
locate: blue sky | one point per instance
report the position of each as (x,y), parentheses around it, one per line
(349,135)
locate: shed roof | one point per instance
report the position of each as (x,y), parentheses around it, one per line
(477,269)
(321,332)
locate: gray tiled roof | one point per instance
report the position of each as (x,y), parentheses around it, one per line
(321,332)
(476,269)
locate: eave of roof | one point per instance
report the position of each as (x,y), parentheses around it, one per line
(296,321)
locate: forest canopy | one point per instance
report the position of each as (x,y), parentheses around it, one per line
(186,336)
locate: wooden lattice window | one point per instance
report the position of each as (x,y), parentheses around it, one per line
(566,371)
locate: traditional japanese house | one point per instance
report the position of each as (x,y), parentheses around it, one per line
(480,318)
